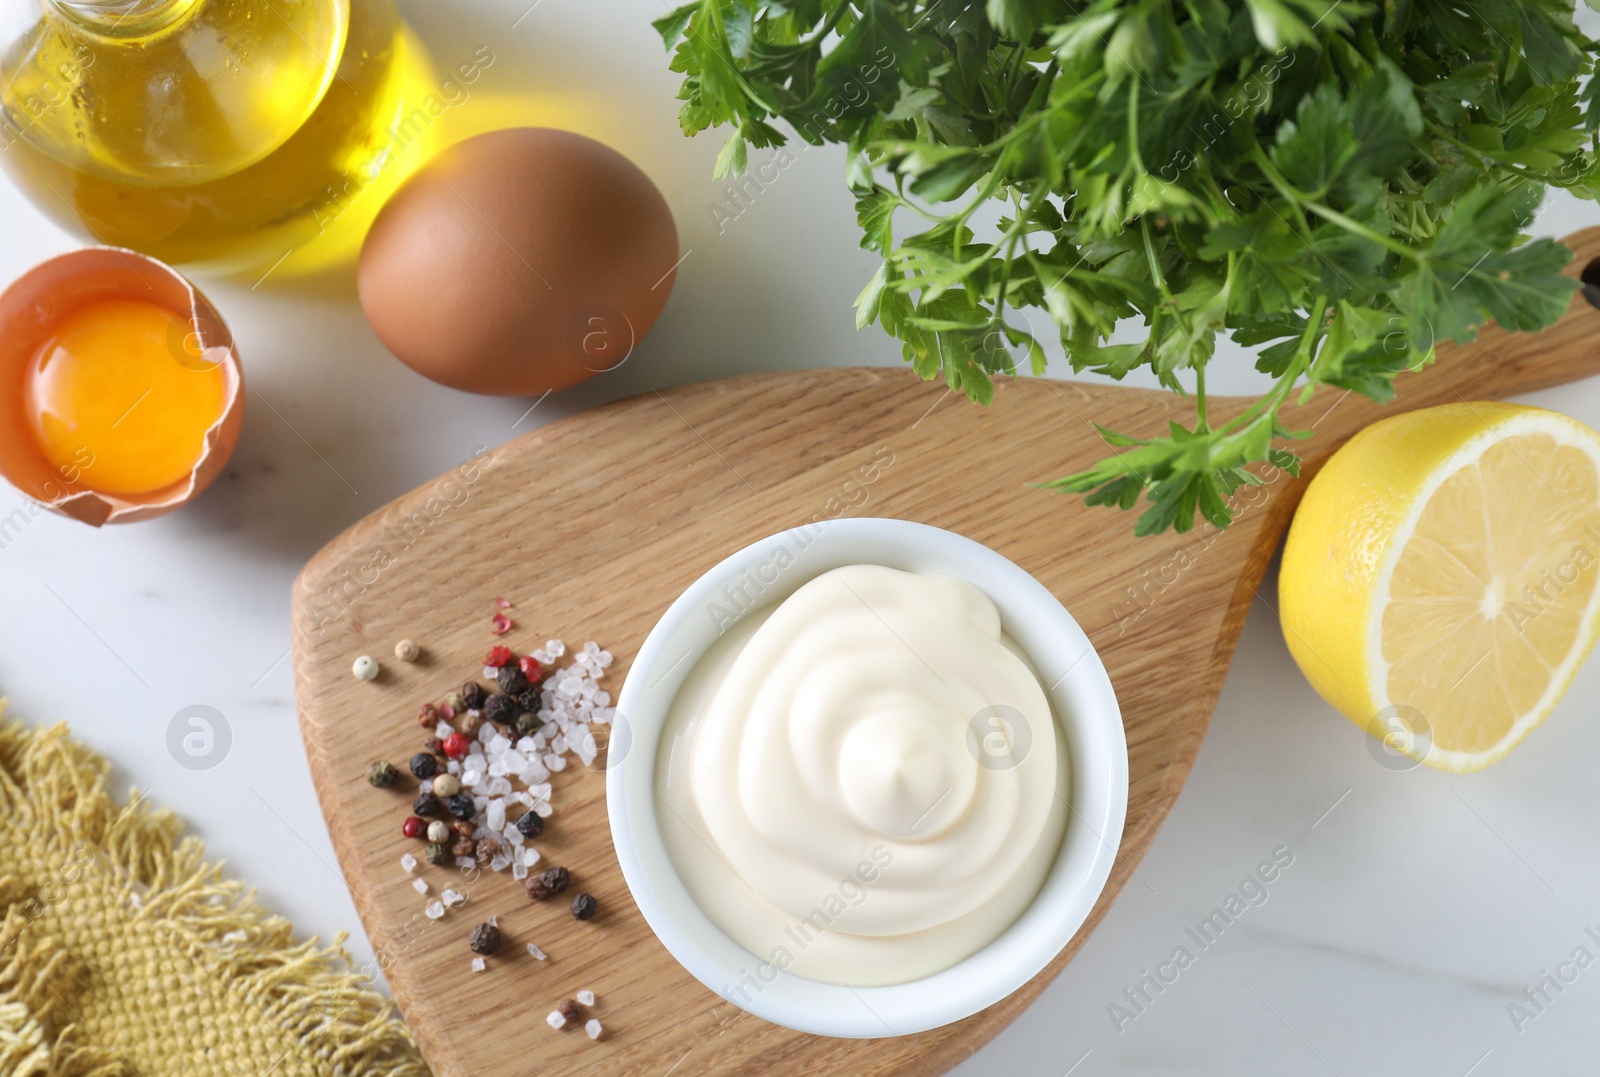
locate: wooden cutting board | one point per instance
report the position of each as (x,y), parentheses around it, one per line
(593,525)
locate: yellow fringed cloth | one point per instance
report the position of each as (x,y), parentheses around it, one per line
(124,953)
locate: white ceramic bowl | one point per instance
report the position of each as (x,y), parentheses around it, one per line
(1085,707)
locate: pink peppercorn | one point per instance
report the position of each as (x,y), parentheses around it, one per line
(531,669)
(412,827)
(498,656)
(500,624)
(456,745)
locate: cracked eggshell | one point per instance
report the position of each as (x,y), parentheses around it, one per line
(30,309)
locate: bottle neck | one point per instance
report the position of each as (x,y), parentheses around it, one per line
(123,18)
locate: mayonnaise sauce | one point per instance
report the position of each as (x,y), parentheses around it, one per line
(865,784)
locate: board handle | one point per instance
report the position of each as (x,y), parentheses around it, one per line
(1497,364)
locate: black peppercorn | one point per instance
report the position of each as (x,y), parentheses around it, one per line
(437,855)
(530,699)
(424,765)
(486,850)
(461,806)
(462,846)
(501,710)
(556,880)
(473,695)
(382,774)
(426,805)
(530,824)
(528,724)
(536,888)
(510,679)
(485,939)
(584,907)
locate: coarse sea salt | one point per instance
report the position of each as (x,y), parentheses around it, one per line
(420,885)
(555,1020)
(585,998)
(478,964)
(592,1027)
(409,863)
(434,911)
(536,952)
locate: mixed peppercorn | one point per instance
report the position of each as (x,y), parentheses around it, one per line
(529,724)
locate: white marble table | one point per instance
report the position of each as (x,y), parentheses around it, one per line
(1417,908)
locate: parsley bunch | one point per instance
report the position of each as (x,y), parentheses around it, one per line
(1340,183)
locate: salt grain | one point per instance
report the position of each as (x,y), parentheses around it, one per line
(555,648)
(500,863)
(585,998)
(536,952)
(409,863)
(495,819)
(420,885)
(519,870)
(434,911)
(478,964)
(592,1027)
(491,672)
(555,1020)
(530,856)
(466,863)
(452,898)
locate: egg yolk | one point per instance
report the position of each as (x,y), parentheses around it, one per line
(121,399)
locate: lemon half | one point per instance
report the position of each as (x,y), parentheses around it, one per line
(1438,582)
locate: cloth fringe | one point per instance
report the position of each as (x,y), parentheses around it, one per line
(138,863)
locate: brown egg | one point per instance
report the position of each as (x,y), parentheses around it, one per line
(519,261)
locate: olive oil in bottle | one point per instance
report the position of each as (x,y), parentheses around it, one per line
(219,133)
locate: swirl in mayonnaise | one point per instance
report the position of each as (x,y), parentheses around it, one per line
(829,784)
